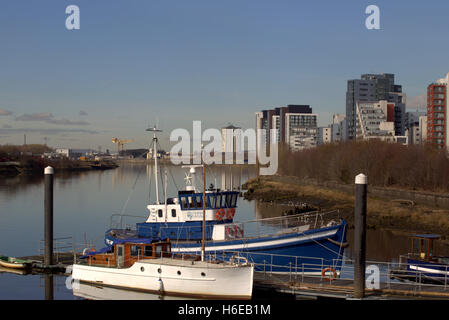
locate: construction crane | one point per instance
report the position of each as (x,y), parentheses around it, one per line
(120,143)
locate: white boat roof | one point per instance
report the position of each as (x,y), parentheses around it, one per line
(189,263)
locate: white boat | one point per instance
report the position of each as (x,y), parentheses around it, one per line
(149,265)
(152,268)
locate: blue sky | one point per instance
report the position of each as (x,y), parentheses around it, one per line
(216,61)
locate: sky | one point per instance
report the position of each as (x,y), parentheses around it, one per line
(136,63)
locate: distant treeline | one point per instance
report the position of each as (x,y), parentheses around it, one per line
(14,151)
(417,167)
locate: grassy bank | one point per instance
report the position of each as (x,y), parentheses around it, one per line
(381,213)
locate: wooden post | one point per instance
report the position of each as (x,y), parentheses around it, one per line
(48,224)
(360,235)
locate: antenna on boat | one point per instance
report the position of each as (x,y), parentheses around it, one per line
(203,241)
(155,130)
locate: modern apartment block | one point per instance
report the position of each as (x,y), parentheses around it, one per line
(375,120)
(296,125)
(338,128)
(324,135)
(437,106)
(415,126)
(374,87)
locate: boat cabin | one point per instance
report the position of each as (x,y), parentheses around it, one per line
(124,255)
(425,247)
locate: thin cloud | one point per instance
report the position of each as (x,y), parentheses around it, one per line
(6,126)
(417,102)
(83,113)
(46,131)
(4,112)
(48,117)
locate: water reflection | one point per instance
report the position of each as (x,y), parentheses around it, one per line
(98,292)
(49,287)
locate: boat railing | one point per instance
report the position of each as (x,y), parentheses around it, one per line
(289,223)
(122,221)
(395,275)
(65,249)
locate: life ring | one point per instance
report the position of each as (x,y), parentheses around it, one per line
(220,214)
(238,232)
(332,277)
(229,214)
(230,232)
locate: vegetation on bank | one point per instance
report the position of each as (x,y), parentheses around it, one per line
(15,160)
(415,167)
(381,213)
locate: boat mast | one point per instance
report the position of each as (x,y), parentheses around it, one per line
(154,130)
(203,242)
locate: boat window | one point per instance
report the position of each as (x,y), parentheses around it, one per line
(191,204)
(432,248)
(223,201)
(135,251)
(159,213)
(120,251)
(148,251)
(158,250)
(415,246)
(228,200)
(423,248)
(183,202)
(199,203)
(212,200)
(173,213)
(208,202)
(218,202)
(234,200)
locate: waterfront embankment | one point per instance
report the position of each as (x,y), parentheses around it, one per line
(388,208)
(36,166)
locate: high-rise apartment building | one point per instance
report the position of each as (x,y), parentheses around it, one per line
(374,87)
(295,124)
(437,106)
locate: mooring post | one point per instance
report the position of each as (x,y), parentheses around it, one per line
(48,227)
(360,235)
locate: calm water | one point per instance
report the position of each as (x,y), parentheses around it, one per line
(84,203)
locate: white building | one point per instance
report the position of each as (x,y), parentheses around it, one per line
(300,130)
(324,135)
(372,120)
(338,128)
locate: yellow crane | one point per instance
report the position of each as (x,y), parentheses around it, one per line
(120,143)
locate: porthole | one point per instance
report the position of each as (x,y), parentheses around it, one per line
(203,274)
(142,269)
(159,270)
(179,273)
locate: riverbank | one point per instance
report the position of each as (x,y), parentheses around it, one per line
(36,166)
(383,211)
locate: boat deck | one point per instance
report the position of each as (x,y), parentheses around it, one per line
(189,263)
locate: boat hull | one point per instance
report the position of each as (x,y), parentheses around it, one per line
(307,252)
(189,279)
(427,270)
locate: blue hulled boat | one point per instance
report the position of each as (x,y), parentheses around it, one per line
(424,262)
(307,242)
